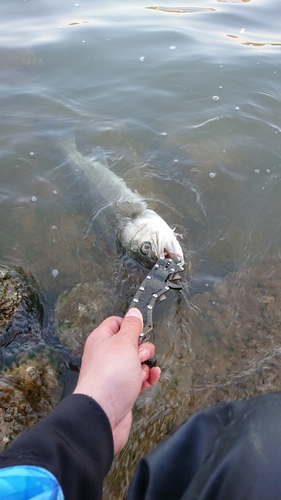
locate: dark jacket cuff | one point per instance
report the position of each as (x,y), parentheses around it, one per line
(74,443)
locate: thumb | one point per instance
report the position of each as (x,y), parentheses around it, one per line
(132,324)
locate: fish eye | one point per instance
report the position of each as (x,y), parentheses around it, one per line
(145,248)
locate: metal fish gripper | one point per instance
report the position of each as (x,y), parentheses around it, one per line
(164,276)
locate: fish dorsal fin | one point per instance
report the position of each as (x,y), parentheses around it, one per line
(130,209)
(98,154)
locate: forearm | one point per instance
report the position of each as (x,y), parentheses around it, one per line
(74,443)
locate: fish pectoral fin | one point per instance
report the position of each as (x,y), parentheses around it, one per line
(130,209)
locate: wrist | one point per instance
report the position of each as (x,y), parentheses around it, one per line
(99,397)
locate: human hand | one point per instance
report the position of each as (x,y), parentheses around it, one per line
(112,373)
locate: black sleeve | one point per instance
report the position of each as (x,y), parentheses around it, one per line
(228,451)
(74,443)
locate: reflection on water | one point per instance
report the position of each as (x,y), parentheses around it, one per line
(233,1)
(139,82)
(182,10)
(254,44)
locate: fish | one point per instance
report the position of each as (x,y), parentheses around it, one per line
(139,231)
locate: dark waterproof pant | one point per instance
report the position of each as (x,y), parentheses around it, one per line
(229,451)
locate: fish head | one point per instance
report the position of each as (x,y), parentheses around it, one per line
(147,238)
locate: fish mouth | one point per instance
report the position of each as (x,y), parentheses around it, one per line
(176,257)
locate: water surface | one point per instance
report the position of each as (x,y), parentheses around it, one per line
(185,101)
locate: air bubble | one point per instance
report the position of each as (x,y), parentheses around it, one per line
(164,134)
(212,174)
(142,58)
(215,98)
(257,170)
(172,47)
(55,192)
(31,153)
(55,273)
(33,198)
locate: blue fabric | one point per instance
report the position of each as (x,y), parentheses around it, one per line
(27,482)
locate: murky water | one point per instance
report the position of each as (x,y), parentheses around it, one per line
(185,101)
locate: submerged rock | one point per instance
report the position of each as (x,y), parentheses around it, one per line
(21,306)
(29,377)
(79,311)
(11,294)
(28,392)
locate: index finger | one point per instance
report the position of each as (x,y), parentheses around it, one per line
(109,327)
